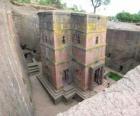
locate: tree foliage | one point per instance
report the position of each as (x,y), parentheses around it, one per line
(46,2)
(56,3)
(23,1)
(127,17)
(97,3)
(74,8)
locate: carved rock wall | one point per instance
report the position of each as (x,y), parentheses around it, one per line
(122,50)
(15,91)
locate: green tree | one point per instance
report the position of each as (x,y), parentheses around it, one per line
(97,3)
(124,17)
(127,17)
(49,2)
(23,1)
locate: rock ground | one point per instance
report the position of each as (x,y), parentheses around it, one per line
(42,103)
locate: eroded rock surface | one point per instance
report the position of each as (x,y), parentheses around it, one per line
(15,99)
(121,99)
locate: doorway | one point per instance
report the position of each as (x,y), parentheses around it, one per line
(98,75)
(95,76)
(66,78)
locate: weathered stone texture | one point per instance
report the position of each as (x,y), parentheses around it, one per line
(121,99)
(15,99)
(122,51)
(27,29)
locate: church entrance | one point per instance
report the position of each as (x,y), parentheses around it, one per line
(95,76)
(66,77)
(98,76)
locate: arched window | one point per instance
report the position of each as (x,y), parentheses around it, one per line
(78,38)
(63,40)
(97,40)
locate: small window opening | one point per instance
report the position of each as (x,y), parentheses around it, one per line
(34,51)
(63,40)
(26,55)
(109,55)
(73,59)
(97,40)
(23,46)
(121,68)
(76,70)
(78,38)
(66,75)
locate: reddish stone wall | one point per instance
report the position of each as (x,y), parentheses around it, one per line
(62,56)
(78,73)
(75,41)
(91,39)
(79,55)
(60,74)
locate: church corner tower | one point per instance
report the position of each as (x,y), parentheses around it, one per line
(55,46)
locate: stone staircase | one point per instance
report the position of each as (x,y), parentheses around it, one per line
(50,89)
(69,91)
(85,94)
(105,83)
(33,68)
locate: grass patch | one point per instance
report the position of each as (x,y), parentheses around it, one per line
(114,76)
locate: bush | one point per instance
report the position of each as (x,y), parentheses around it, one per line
(46,2)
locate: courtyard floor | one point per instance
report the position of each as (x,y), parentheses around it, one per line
(42,102)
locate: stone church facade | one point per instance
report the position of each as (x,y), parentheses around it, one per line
(72,48)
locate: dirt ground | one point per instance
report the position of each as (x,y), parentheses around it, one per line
(43,104)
